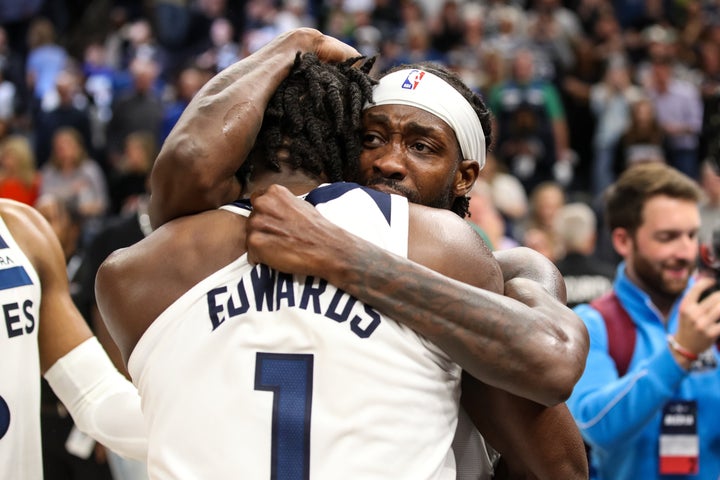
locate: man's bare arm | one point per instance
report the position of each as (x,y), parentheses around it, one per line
(535,441)
(196,167)
(516,342)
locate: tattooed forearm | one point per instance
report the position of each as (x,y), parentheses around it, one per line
(498,339)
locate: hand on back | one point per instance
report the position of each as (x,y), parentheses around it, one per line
(288,234)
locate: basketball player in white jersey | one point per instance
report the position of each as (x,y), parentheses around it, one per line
(545,344)
(43,332)
(245,372)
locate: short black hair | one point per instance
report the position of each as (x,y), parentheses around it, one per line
(314,119)
(460,204)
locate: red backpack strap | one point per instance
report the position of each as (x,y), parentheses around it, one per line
(620,329)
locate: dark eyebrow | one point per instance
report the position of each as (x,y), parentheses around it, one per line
(431,130)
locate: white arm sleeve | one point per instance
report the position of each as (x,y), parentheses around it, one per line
(102,402)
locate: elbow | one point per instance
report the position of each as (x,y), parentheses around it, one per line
(182,161)
(556,384)
(556,390)
(180,182)
(567,366)
(573,467)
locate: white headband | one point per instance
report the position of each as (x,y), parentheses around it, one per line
(423,90)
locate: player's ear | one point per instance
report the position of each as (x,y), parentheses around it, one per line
(465,177)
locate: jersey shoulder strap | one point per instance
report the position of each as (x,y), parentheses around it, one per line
(620,329)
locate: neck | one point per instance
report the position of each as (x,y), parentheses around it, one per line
(297,181)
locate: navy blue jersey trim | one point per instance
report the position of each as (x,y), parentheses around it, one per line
(14,277)
(332,191)
(243,203)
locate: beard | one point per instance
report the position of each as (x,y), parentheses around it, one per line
(657,277)
(443,199)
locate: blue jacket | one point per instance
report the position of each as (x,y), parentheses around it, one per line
(620,417)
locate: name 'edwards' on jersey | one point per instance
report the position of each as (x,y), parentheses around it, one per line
(266,290)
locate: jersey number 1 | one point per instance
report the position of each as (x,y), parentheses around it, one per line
(290,378)
(4,417)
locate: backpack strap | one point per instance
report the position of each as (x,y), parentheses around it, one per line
(620,329)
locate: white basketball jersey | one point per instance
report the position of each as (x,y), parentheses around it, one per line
(20,446)
(256,374)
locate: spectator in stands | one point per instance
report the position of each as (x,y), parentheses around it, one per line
(485,217)
(586,276)
(189,81)
(709,53)
(710,205)
(507,194)
(552,28)
(138,109)
(546,200)
(45,60)
(12,66)
(679,111)
(447,28)
(532,135)
(128,184)
(505,29)
(643,140)
(70,110)
(73,176)
(19,179)
(224,50)
(611,101)
(99,77)
(8,97)
(646,401)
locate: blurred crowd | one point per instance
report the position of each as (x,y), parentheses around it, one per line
(580,90)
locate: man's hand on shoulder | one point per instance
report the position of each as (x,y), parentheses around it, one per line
(290,235)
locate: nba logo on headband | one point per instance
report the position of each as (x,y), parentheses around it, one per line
(413,79)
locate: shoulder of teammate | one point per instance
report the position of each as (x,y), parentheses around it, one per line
(528,264)
(444,242)
(134,285)
(35,237)
(62,327)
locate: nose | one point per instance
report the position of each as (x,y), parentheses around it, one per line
(687,248)
(390,162)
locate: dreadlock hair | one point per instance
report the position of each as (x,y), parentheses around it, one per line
(314,119)
(461,204)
